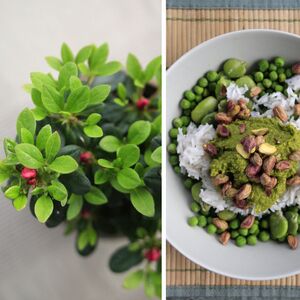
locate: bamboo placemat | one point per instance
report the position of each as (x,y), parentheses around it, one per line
(186,28)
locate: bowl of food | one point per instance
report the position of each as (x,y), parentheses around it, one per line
(233,180)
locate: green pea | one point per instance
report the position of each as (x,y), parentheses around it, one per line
(253,229)
(177,169)
(212,76)
(280,71)
(205,208)
(209,220)
(184,130)
(240,241)
(259,76)
(196,191)
(279,61)
(195,207)
(234,234)
(188,183)
(243,231)
(278,225)
(263,65)
(189,95)
(185,120)
(205,107)
(193,221)
(260,85)
(198,90)
(264,224)
(202,222)
(177,122)
(267,83)
(205,93)
(292,218)
(173,132)
(273,75)
(211,229)
(235,68)
(234,224)
(245,80)
(185,104)
(172,148)
(264,236)
(209,118)
(278,88)
(173,159)
(222,106)
(288,73)
(226,215)
(203,82)
(252,240)
(272,67)
(282,77)
(198,98)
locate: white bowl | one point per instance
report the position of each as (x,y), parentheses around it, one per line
(265,260)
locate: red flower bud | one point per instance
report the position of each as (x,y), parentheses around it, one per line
(86,214)
(86,157)
(152,254)
(27,173)
(31,181)
(142,102)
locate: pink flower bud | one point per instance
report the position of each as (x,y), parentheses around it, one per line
(153,254)
(142,102)
(27,173)
(86,214)
(86,157)
(31,181)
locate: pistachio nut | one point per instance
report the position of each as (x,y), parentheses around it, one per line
(267,149)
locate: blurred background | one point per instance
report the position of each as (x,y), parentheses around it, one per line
(37,262)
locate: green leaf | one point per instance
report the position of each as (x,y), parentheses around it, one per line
(150,284)
(36,97)
(92,235)
(20,202)
(54,62)
(110,143)
(43,137)
(142,201)
(26,136)
(75,83)
(99,94)
(114,183)
(129,154)
(138,132)
(84,69)
(27,88)
(95,196)
(105,163)
(101,176)
(78,100)
(9,146)
(128,178)
(53,145)
(10,160)
(134,68)
(82,240)
(26,120)
(124,259)
(12,192)
(4,172)
(83,54)
(40,79)
(37,191)
(121,89)
(68,70)
(76,182)
(43,208)
(108,69)
(99,56)
(39,113)
(152,68)
(148,158)
(156,155)
(66,53)
(75,206)
(29,156)
(64,164)
(57,190)
(52,99)
(120,102)
(133,280)
(93,131)
(93,119)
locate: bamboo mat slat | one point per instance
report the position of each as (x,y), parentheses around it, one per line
(187,28)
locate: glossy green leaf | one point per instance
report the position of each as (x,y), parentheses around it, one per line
(75,206)
(143,201)
(66,72)
(54,63)
(93,131)
(129,154)
(76,182)
(121,89)
(39,113)
(108,69)
(152,68)
(75,83)
(43,137)
(99,94)
(64,164)
(26,120)
(101,176)
(134,67)
(99,56)
(57,190)
(128,178)
(40,79)
(105,163)
(83,54)
(93,119)
(78,100)
(43,208)
(12,192)
(110,143)
(52,99)
(29,156)
(115,184)
(84,70)
(138,132)
(133,280)
(66,53)
(36,97)
(95,196)
(53,145)
(4,172)
(20,202)
(26,136)
(156,155)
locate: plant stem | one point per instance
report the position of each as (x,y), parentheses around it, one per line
(90,80)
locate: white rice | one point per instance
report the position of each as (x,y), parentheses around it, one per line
(233,92)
